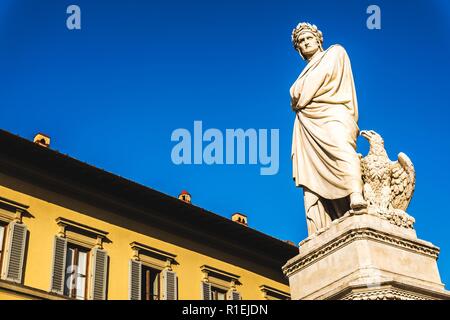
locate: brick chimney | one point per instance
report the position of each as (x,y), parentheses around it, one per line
(240,218)
(42,140)
(185,196)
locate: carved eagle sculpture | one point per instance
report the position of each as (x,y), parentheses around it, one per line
(388,185)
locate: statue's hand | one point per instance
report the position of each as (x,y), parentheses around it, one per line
(294,106)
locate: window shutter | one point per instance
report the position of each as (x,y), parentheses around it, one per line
(59,265)
(99,274)
(135,280)
(206,291)
(2,233)
(233,295)
(169,285)
(15,251)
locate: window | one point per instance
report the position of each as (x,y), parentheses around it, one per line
(270,293)
(151,275)
(218,294)
(218,284)
(13,239)
(150,284)
(79,261)
(76,272)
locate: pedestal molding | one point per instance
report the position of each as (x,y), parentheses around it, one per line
(299,262)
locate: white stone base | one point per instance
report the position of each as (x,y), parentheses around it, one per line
(361,256)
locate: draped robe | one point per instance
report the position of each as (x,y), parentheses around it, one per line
(325,162)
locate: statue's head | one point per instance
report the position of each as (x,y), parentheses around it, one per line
(307,39)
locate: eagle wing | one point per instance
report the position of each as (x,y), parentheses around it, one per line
(403,181)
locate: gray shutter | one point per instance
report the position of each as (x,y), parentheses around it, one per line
(206,291)
(169,285)
(59,265)
(235,295)
(15,251)
(99,274)
(135,280)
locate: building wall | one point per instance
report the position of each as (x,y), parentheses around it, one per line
(46,206)
(8,295)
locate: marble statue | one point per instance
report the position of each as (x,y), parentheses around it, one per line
(388,186)
(355,206)
(325,162)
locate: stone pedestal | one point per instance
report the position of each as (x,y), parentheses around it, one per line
(362,256)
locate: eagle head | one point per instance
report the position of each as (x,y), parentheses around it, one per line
(372,136)
(375,140)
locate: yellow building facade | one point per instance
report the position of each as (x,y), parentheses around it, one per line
(69,230)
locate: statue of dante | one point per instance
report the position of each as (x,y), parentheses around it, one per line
(324,158)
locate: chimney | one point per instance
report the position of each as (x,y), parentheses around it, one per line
(240,218)
(42,140)
(185,196)
(290,242)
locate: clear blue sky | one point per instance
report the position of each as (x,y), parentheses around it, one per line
(112,93)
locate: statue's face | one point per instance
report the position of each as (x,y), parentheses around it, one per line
(308,44)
